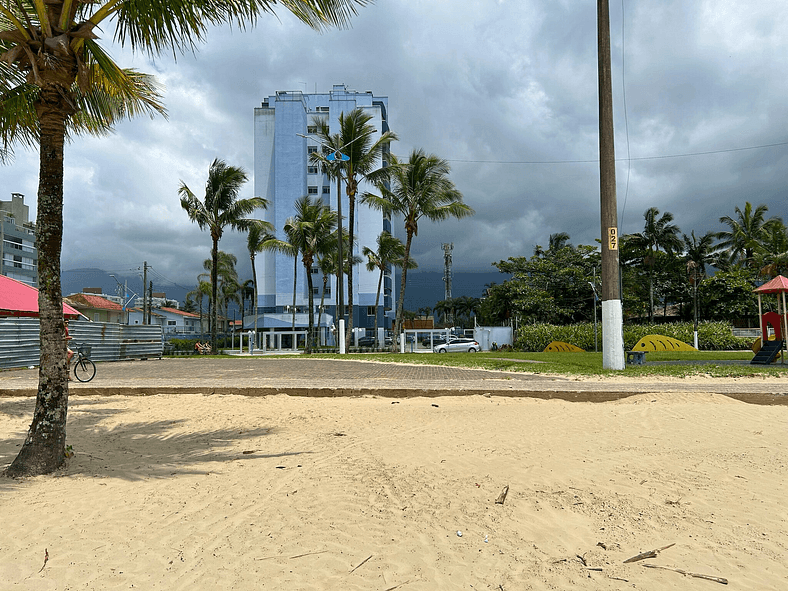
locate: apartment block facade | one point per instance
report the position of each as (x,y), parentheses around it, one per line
(18,254)
(283,173)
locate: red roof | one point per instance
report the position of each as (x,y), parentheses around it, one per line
(180,312)
(19,299)
(777,285)
(96,302)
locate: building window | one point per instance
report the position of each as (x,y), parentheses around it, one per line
(370,310)
(311,169)
(326,190)
(311,149)
(315,270)
(311,129)
(312,190)
(171,323)
(322,109)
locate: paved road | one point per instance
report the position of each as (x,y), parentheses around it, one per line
(302,376)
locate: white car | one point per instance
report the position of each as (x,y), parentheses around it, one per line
(458,345)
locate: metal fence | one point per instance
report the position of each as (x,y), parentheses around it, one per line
(19,341)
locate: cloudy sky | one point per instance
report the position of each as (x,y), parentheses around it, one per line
(506,90)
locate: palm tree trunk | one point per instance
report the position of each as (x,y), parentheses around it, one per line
(350,233)
(377,310)
(44,448)
(322,302)
(214,292)
(254,305)
(311,299)
(401,299)
(295,288)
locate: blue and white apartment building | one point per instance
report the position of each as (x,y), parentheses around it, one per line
(282,174)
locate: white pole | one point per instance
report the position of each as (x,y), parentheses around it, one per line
(612,335)
(341,336)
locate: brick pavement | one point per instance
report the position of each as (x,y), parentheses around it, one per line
(301,376)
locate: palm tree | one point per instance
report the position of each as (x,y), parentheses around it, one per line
(247,293)
(747,232)
(390,253)
(310,230)
(202,290)
(658,233)
(57,81)
(773,255)
(699,250)
(257,240)
(221,209)
(355,140)
(420,189)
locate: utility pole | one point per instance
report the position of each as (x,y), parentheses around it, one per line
(612,314)
(144,296)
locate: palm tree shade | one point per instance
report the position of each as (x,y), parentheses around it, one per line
(56,81)
(419,188)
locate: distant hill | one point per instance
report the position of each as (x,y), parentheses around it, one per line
(426,288)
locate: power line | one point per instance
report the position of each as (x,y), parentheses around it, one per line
(594,161)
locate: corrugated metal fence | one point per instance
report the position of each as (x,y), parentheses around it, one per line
(109,342)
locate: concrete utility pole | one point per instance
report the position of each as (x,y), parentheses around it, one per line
(144,297)
(612,315)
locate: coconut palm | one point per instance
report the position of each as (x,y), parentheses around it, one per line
(658,233)
(390,253)
(257,240)
(56,81)
(746,232)
(420,188)
(310,231)
(356,140)
(221,208)
(203,290)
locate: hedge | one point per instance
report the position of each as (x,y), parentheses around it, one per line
(712,336)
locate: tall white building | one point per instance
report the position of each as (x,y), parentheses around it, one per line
(282,174)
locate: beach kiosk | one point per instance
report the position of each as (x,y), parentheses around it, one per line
(777,320)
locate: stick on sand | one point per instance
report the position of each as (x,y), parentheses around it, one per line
(649,554)
(689,574)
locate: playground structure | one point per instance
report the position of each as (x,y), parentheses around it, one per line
(770,349)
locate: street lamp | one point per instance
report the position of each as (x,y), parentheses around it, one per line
(336,155)
(125,302)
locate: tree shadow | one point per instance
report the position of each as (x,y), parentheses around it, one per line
(141,450)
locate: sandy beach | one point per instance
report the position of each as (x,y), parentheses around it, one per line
(284,492)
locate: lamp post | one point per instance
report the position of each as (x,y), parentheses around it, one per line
(593,289)
(125,287)
(336,155)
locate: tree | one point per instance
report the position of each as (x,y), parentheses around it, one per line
(248,293)
(658,233)
(203,290)
(221,208)
(465,308)
(310,231)
(57,81)
(257,240)
(355,140)
(420,188)
(772,257)
(390,253)
(746,233)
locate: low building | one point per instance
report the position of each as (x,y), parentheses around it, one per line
(97,308)
(171,320)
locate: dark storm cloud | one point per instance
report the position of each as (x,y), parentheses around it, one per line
(505,90)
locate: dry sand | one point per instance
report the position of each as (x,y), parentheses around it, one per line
(278,492)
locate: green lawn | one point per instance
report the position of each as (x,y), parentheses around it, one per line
(728,364)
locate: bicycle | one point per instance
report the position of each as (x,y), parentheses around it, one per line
(84,368)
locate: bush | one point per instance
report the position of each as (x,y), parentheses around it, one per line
(182,344)
(712,336)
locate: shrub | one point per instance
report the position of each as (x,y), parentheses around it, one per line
(712,336)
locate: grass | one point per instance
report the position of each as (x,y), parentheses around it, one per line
(679,364)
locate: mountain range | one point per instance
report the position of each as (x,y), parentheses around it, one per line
(424,289)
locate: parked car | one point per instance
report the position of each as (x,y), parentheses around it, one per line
(437,339)
(371,342)
(458,345)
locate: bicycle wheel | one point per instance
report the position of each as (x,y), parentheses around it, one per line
(84,370)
